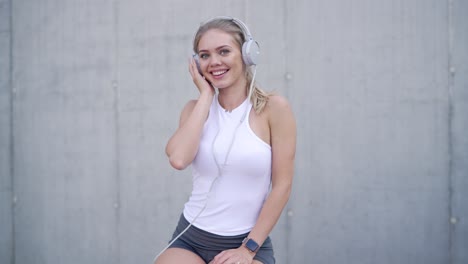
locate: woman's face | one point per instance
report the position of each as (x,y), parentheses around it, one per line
(220,59)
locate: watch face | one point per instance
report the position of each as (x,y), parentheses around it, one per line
(251,245)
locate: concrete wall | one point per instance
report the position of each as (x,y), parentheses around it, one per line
(371,94)
(6,205)
(94,89)
(458,88)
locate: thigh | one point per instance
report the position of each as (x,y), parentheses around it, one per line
(253,262)
(177,256)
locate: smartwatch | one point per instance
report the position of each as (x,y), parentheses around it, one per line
(251,245)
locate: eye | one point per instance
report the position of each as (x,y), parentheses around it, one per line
(224,52)
(203,56)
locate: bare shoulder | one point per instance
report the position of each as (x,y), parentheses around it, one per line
(282,125)
(190,105)
(278,106)
(188,108)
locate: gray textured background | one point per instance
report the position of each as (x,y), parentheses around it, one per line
(90,91)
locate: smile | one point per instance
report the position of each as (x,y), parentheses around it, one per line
(218,73)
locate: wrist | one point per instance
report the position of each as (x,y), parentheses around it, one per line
(250,245)
(247,251)
(208,95)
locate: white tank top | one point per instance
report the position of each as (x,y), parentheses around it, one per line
(238,194)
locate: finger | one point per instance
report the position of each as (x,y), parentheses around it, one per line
(190,69)
(216,259)
(191,66)
(220,258)
(194,70)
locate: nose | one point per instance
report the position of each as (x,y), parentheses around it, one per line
(215,60)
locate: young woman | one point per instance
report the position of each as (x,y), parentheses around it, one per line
(241,143)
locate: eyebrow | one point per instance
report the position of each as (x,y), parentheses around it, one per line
(218,48)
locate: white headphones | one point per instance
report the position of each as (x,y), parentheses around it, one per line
(250,47)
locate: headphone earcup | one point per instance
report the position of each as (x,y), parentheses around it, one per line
(195,57)
(250,52)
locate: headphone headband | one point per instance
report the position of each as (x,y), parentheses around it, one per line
(238,22)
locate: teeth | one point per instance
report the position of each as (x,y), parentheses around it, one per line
(216,73)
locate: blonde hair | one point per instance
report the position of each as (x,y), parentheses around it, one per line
(259,97)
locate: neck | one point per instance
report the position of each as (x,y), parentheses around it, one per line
(229,99)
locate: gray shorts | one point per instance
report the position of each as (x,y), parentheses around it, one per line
(208,245)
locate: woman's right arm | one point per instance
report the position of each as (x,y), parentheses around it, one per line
(183,145)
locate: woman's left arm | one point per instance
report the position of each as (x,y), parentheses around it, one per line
(283,146)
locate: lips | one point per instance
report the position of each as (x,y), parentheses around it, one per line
(218,73)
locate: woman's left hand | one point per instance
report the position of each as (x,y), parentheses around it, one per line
(238,255)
